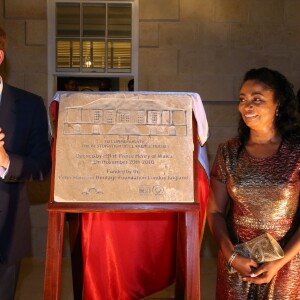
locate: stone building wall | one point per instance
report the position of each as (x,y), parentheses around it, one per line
(202,46)
(206,46)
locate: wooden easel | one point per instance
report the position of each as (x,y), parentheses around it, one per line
(188,238)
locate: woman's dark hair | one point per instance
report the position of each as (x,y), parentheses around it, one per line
(287,123)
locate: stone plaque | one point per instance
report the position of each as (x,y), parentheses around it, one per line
(123,147)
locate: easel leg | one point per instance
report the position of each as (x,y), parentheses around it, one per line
(180,258)
(188,257)
(193,256)
(52,282)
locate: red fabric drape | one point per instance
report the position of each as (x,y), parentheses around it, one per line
(127,256)
(53,112)
(202,192)
(130,256)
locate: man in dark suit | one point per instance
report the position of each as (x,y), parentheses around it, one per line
(24,155)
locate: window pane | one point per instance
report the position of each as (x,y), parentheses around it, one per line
(93,17)
(93,55)
(94,36)
(67,19)
(67,54)
(119,20)
(119,56)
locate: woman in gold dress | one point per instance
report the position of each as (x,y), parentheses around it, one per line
(255,189)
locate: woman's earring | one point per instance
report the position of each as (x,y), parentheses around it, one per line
(276,113)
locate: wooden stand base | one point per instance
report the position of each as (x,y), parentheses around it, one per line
(188,242)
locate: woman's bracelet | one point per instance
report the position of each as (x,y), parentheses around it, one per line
(232,257)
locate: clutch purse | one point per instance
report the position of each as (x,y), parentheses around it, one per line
(262,249)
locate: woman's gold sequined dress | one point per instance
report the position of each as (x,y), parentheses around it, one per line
(264,197)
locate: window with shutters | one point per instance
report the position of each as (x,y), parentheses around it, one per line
(94,37)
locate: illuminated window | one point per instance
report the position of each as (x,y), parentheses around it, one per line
(94,36)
